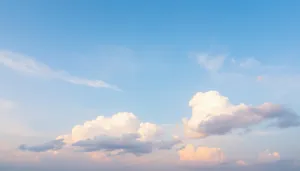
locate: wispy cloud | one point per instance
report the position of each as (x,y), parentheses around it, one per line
(28,65)
(250,63)
(211,62)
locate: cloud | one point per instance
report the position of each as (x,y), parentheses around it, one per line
(250,63)
(167,144)
(201,154)
(28,65)
(117,125)
(213,114)
(120,134)
(52,145)
(267,156)
(210,62)
(127,143)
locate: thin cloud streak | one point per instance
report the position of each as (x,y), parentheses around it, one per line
(28,65)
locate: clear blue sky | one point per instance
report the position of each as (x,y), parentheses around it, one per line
(149,49)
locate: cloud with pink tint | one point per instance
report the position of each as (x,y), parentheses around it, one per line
(117,125)
(213,114)
(121,133)
(201,154)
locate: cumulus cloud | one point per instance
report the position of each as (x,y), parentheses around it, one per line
(28,65)
(117,125)
(52,145)
(119,134)
(211,62)
(201,154)
(213,114)
(267,156)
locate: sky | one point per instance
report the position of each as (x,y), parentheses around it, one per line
(181,85)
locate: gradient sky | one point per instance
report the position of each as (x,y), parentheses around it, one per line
(63,63)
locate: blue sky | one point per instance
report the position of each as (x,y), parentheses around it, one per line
(159,54)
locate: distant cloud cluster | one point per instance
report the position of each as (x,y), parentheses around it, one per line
(213,114)
(28,65)
(205,155)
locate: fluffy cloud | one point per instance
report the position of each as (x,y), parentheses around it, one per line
(201,154)
(267,156)
(115,126)
(52,145)
(119,134)
(27,65)
(213,114)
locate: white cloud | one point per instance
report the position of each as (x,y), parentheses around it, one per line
(28,65)
(213,114)
(121,133)
(202,154)
(116,125)
(210,62)
(267,156)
